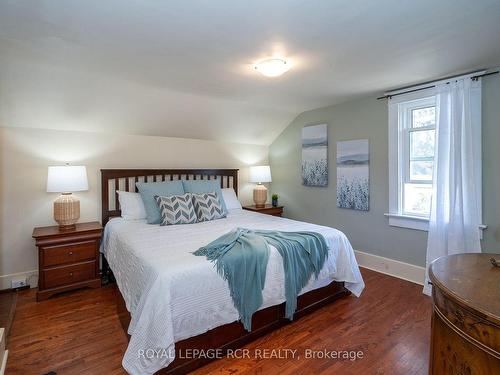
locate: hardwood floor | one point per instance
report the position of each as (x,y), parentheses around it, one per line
(79,333)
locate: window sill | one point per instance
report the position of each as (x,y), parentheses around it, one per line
(417,222)
(410,222)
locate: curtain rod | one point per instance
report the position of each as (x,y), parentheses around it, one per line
(474,78)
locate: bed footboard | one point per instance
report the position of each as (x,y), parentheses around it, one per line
(233,335)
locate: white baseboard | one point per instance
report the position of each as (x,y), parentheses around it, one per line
(31,276)
(3,365)
(3,353)
(405,271)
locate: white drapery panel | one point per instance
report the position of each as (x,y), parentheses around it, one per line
(456,201)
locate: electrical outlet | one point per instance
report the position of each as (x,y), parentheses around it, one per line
(19,283)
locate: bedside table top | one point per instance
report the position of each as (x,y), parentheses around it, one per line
(266,207)
(54,231)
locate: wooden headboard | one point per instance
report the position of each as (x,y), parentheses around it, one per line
(125,179)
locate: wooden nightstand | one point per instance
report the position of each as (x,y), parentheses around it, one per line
(268,209)
(67,259)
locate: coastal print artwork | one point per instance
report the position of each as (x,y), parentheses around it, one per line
(353,174)
(315,155)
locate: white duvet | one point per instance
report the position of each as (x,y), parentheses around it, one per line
(173,295)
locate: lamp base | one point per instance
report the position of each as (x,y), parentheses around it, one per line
(66,211)
(260,196)
(63,228)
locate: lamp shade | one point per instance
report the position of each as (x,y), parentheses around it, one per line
(261,173)
(67,178)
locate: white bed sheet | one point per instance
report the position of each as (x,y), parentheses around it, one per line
(173,295)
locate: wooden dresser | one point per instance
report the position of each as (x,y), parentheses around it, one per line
(67,259)
(465,337)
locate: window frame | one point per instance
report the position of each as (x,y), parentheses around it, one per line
(405,128)
(399,162)
(395,215)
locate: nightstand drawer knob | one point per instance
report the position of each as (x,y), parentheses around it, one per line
(71,273)
(70,253)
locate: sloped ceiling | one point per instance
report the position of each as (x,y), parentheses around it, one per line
(183,68)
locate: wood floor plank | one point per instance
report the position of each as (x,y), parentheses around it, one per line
(79,333)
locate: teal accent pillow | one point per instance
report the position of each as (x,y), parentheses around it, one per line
(148,190)
(205,186)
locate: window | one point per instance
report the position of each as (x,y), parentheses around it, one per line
(412,146)
(412,136)
(417,128)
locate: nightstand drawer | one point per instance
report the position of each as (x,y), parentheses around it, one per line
(70,274)
(274,211)
(68,254)
(266,209)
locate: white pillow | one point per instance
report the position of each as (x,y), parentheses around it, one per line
(131,205)
(230,199)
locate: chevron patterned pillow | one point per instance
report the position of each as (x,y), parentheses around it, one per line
(176,209)
(207,207)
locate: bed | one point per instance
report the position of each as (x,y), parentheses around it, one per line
(171,302)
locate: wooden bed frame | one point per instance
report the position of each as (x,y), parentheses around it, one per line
(228,336)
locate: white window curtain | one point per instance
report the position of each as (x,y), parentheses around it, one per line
(456,204)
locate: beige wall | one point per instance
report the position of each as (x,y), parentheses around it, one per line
(26,153)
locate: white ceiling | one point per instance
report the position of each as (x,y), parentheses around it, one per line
(183,68)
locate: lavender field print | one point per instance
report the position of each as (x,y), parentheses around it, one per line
(315,155)
(353,174)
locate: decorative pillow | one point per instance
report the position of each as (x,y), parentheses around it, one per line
(230,199)
(131,205)
(208,207)
(149,190)
(176,209)
(205,186)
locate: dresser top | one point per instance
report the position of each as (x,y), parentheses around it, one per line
(54,231)
(471,279)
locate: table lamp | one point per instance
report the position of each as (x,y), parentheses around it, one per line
(260,174)
(65,180)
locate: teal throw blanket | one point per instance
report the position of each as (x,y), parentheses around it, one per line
(241,258)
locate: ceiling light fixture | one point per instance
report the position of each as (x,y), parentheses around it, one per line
(272,67)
